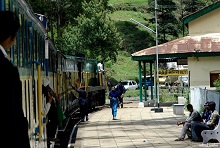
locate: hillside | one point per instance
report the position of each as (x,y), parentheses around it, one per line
(123,69)
(136,38)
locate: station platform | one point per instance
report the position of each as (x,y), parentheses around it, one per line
(135,127)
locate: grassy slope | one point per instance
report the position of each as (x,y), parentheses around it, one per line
(123,15)
(131,2)
(127,15)
(125,68)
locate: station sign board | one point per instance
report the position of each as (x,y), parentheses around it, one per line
(173,72)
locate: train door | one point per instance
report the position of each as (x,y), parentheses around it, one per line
(34,44)
(80,73)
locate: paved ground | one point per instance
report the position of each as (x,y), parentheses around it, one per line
(135,127)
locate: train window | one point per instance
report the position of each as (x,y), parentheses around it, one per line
(19,44)
(39,50)
(35,48)
(7,5)
(25,96)
(24,42)
(22,30)
(15,51)
(35,99)
(41,53)
(14,54)
(53,62)
(49,60)
(29,43)
(29,104)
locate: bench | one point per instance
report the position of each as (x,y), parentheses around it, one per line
(211,134)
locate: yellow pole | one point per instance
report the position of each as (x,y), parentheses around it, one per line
(86,81)
(39,92)
(57,83)
(100,78)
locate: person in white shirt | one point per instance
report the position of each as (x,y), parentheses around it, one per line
(100,66)
(47,106)
(49,96)
(101,71)
(50,111)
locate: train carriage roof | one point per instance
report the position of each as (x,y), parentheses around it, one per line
(25,9)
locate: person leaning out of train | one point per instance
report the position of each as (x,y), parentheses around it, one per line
(15,125)
(48,93)
(48,104)
(50,110)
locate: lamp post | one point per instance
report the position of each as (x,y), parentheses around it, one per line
(157,81)
(157,75)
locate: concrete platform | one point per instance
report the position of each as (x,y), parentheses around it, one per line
(135,127)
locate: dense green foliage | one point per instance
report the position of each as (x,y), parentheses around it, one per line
(102,28)
(166,19)
(94,34)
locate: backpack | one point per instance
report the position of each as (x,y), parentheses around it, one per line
(82,101)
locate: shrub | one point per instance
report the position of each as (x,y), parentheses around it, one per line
(217,84)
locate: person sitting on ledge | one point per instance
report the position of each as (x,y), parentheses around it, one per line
(194,116)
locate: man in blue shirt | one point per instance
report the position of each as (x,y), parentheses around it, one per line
(206,113)
(83,103)
(121,90)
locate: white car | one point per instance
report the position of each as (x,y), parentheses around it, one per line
(184,80)
(130,84)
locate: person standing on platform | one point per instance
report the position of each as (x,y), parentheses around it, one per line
(83,103)
(15,125)
(113,96)
(121,89)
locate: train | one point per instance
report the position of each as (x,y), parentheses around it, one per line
(38,59)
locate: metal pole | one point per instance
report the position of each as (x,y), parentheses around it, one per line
(143,25)
(157,78)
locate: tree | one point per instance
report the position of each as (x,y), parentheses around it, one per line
(167,21)
(191,6)
(38,6)
(95,34)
